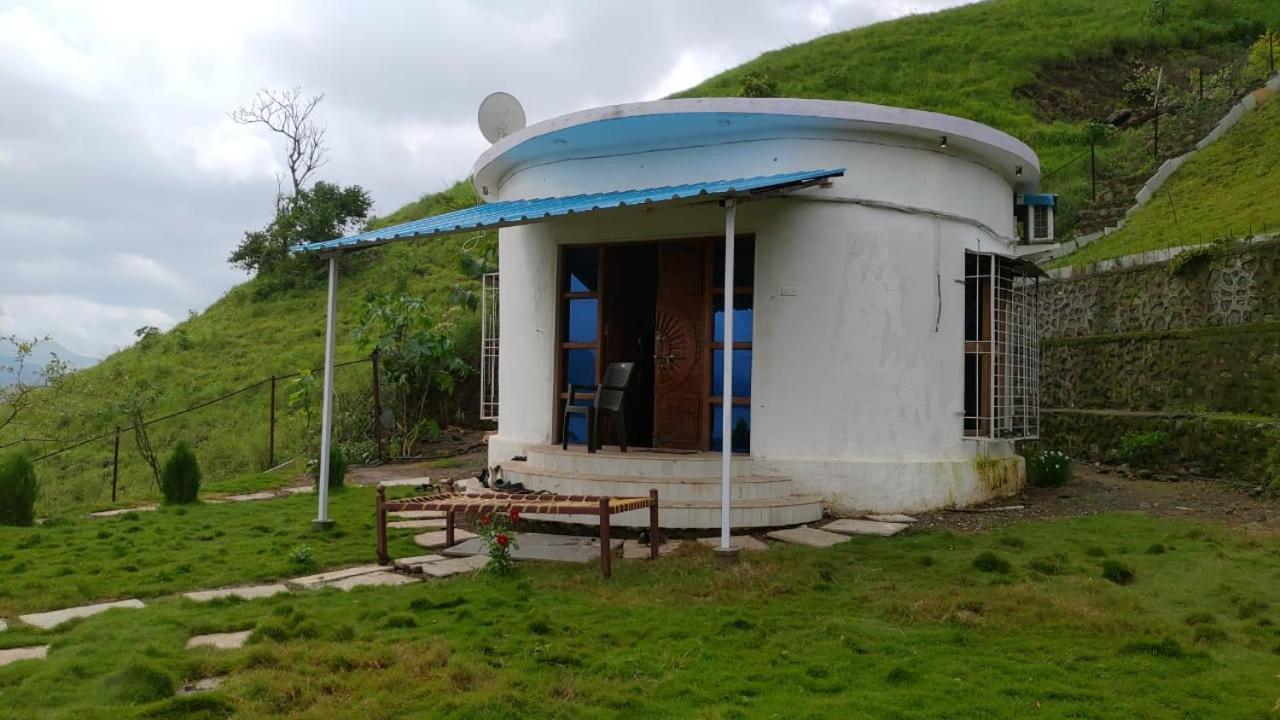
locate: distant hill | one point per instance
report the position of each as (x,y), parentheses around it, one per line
(39,359)
(1036,69)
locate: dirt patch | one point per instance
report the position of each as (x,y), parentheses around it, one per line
(1100,489)
(459,454)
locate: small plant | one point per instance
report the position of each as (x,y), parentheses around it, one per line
(18,490)
(1187,261)
(1157,549)
(1048,468)
(1055,564)
(1208,634)
(495,531)
(758,85)
(302,556)
(1166,648)
(1117,572)
(138,684)
(990,562)
(337,468)
(180,477)
(1143,447)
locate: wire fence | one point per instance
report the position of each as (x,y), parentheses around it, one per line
(272,382)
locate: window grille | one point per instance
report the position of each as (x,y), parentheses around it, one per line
(1040,214)
(489,346)
(1002,350)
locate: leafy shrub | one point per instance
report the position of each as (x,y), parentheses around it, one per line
(758,85)
(1209,634)
(1143,447)
(1156,549)
(337,468)
(1055,564)
(180,477)
(137,684)
(302,556)
(990,562)
(1048,468)
(18,490)
(1117,572)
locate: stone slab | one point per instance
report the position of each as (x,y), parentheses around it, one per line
(251,592)
(220,641)
(413,564)
(416,525)
(384,578)
(4,625)
(633,550)
(743,542)
(13,655)
(809,536)
(417,515)
(300,490)
(249,497)
(541,546)
(122,511)
(454,566)
(849,526)
(435,540)
(202,685)
(406,482)
(894,518)
(54,618)
(314,581)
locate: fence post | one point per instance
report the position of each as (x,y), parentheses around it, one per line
(115,465)
(377,404)
(271,434)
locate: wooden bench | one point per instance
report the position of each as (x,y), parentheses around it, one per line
(453,503)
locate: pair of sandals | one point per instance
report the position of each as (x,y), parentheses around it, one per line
(500,484)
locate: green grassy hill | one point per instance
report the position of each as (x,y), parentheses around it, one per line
(1227,190)
(1039,70)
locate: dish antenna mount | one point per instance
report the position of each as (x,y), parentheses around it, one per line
(500,115)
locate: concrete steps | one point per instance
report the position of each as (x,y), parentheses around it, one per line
(688,487)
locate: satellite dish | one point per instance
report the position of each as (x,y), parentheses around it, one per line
(500,115)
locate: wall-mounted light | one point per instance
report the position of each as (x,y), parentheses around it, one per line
(1018,171)
(943,144)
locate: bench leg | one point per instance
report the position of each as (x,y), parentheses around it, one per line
(448,529)
(654,538)
(381,522)
(606,554)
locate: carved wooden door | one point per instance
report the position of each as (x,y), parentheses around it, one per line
(679,356)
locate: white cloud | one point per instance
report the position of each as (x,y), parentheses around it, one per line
(97,327)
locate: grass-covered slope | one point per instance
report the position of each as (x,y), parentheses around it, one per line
(987,61)
(1230,188)
(241,339)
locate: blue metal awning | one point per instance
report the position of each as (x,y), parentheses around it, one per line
(488,216)
(1038,199)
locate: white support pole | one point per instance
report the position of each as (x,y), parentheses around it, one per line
(726,393)
(326,413)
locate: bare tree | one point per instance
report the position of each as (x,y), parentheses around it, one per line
(288,113)
(20,395)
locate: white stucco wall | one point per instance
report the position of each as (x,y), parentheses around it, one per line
(857,372)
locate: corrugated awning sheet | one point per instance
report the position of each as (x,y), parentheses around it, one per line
(518,212)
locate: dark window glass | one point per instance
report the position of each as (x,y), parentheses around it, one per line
(579,367)
(581,326)
(971,382)
(581,269)
(741,373)
(741,318)
(739,434)
(971,308)
(744,262)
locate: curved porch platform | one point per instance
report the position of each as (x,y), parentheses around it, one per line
(688,486)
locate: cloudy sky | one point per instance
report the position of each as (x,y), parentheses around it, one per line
(124,185)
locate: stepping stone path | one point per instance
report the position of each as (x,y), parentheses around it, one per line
(220,641)
(633,550)
(540,546)
(742,542)
(382,578)
(849,526)
(406,482)
(250,497)
(122,511)
(50,620)
(894,518)
(202,685)
(414,564)
(310,582)
(417,515)
(435,540)
(809,536)
(415,524)
(454,566)
(244,593)
(300,490)
(13,655)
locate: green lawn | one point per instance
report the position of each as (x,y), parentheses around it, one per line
(1228,189)
(77,560)
(885,628)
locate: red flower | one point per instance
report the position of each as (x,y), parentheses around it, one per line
(484,519)
(515,514)
(502,539)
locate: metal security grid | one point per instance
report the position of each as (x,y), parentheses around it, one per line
(489,347)
(1002,349)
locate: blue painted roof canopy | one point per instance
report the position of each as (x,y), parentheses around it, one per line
(488,216)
